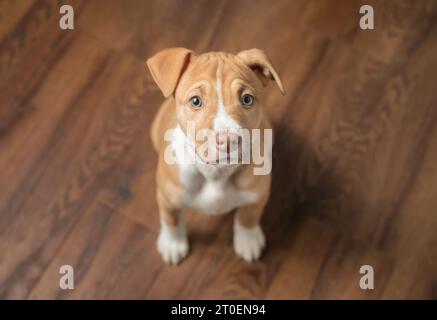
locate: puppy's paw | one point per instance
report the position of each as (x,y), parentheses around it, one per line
(248,243)
(173,244)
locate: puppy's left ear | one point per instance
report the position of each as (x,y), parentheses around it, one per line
(258,61)
(167,67)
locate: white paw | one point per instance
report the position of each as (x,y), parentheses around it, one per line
(173,243)
(248,243)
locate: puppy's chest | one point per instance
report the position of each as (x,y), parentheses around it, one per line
(212,194)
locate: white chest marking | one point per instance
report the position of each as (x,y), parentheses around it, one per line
(207,188)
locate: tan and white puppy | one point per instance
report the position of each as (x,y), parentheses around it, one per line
(222,93)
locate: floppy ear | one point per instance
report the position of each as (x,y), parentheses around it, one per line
(258,61)
(167,67)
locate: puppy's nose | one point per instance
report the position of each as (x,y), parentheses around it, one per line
(226,141)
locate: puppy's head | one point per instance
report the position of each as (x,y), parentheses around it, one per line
(218,93)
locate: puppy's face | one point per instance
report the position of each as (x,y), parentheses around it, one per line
(217,94)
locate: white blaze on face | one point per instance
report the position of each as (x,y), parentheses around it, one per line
(222,120)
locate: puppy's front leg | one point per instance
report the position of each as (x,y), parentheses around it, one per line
(249,239)
(172,240)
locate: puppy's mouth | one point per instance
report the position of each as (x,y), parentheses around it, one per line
(222,160)
(218,153)
(228,159)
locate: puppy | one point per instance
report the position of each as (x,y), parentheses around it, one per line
(219,95)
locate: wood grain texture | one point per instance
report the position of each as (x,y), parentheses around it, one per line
(355,156)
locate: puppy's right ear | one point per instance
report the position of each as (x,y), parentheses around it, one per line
(167,67)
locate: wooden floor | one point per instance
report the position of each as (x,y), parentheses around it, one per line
(355,160)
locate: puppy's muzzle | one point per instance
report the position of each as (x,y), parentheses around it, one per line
(227,142)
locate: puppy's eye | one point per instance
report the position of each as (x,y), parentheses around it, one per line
(247,100)
(196,102)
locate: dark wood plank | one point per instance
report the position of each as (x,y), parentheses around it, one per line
(76,144)
(307,247)
(111,257)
